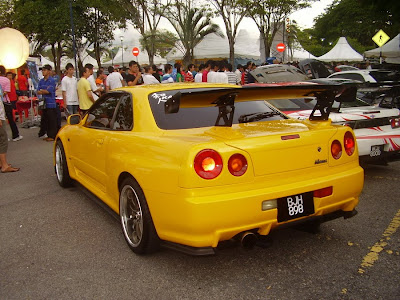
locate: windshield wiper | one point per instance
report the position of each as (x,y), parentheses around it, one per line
(257,116)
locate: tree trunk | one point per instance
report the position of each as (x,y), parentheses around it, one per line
(97,53)
(267,46)
(231,51)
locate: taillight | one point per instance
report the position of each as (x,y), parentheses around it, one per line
(325,192)
(336,149)
(395,122)
(349,143)
(208,164)
(237,164)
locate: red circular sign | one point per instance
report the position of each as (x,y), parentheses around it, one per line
(135,51)
(281,47)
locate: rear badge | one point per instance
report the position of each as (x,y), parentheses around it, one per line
(321,161)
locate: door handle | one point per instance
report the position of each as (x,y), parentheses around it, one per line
(100,142)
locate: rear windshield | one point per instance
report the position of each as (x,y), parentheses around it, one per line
(206,116)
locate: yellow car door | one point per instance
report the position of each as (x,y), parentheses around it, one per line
(89,146)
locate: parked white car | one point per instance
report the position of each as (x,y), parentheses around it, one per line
(377,129)
(368,76)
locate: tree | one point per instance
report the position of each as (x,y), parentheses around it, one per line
(356,20)
(269,16)
(192,25)
(100,20)
(145,16)
(232,13)
(163,41)
(46,22)
(7,11)
(111,53)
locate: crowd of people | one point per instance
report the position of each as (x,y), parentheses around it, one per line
(79,95)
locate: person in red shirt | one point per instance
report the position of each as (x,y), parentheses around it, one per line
(206,70)
(13,94)
(23,84)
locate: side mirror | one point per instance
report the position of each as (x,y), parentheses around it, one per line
(74,119)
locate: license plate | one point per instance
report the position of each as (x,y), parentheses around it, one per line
(295,206)
(376,151)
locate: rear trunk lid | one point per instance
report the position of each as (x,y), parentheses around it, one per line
(280,146)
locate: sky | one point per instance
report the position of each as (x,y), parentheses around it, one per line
(304,19)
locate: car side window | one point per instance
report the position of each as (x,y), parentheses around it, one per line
(124,115)
(102,112)
(357,77)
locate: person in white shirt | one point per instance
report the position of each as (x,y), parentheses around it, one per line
(213,71)
(69,90)
(114,79)
(95,89)
(199,75)
(148,77)
(238,72)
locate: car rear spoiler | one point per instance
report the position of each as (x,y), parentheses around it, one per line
(225,98)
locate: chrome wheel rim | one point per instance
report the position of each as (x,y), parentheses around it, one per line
(59,164)
(131,216)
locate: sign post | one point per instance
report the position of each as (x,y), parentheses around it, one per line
(380,38)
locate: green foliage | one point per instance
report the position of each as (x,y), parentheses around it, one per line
(49,23)
(355,20)
(192,24)
(163,40)
(7,13)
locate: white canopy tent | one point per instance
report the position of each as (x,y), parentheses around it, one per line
(390,51)
(341,52)
(298,53)
(45,61)
(216,47)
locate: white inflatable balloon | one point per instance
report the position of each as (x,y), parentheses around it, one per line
(14,48)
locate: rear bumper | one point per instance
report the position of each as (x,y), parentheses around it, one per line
(390,143)
(204,217)
(204,251)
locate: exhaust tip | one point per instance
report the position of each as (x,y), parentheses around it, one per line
(248,240)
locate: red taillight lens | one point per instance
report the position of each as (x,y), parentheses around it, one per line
(237,164)
(395,122)
(336,149)
(349,143)
(325,192)
(208,164)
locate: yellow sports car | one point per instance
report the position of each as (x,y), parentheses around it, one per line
(191,165)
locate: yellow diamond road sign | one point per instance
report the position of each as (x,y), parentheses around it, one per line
(380,38)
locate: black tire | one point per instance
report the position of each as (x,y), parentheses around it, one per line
(61,167)
(136,222)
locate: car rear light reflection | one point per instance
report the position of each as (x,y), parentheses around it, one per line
(237,164)
(325,192)
(336,149)
(349,143)
(208,164)
(395,122)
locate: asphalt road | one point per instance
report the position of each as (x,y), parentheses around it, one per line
(62,244)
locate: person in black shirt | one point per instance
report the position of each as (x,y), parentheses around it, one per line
(156,72)
(134,76)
